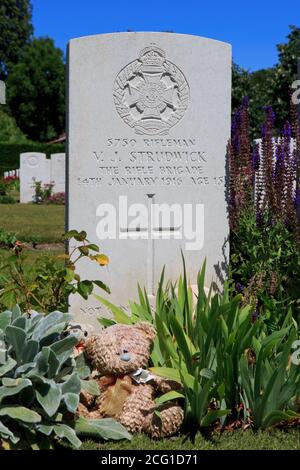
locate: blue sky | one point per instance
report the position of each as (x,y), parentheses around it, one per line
(252,27)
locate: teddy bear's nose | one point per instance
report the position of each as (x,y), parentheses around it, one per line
(125,357)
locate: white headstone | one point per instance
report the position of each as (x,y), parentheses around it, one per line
(149,121)
(58,170)
(33,166)
(2,93)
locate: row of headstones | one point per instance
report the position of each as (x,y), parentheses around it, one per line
(12,174)
(36,167)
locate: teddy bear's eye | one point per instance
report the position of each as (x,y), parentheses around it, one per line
(125,351)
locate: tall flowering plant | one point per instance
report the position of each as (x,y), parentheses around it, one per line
(240,165)
(264,176)
(264,213)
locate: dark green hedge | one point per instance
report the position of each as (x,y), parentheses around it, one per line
(10,153)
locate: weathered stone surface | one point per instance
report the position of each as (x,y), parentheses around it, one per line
(2,93)
(58,170)
(149,120)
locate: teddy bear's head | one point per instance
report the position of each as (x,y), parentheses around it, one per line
(120,349)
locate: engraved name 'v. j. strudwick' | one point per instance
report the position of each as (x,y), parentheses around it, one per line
(151,94)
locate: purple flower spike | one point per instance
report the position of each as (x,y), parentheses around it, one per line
(239,287)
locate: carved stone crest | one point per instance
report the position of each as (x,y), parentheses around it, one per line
(151,94)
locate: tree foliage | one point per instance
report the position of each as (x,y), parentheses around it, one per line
(15,32)
(9,131)
(36,90)
(285,74)
(268,87)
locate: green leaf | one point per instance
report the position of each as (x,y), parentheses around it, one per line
(49,396)
(167,373)
(183,344)
(102,286)
(20,322)
(168,397)
(70,234)
(65,432)
(207,373)
(16,338)
(6,433)
(72,384)
(85,288)
(10,391)
(212,416)
(30,351)
(16,312)
(64,348)
(20,413)
(47,323)
(82,367)
(119,315)
(83,250)
(90,386)
(5,319)
(93,247)
(53,362)
(105,322)
(71,400)
(80,236)
(105,428)
(69,276)
(8,366)
(277,416)
(10,382)
(45,428)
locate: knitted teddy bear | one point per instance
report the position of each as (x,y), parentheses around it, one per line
(127,391)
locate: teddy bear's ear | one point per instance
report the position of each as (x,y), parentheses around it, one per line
(148,329)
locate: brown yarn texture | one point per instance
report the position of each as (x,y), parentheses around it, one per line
(132,404)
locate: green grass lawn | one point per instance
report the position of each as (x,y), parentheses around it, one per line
(32,222)
(236,440)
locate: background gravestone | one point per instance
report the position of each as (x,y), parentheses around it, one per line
(2,92)
(58,170)
(33,165)
(149,119)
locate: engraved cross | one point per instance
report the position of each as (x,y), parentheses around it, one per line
(151,230)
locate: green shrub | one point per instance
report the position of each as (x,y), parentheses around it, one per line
(42,192)
(46,284)
(7,200)
(40,382)
(201,344)
(271,385)
(9,131)
(265,265)
(7,239)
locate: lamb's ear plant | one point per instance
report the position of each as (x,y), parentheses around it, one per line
(40,383)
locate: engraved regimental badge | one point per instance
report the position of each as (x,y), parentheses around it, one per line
(151,93)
